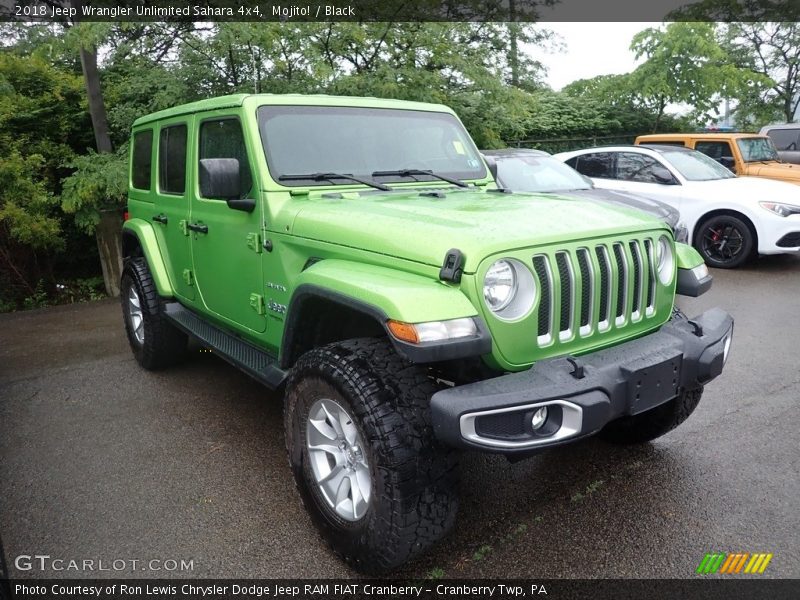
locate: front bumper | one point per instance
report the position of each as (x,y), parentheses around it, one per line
(584,394)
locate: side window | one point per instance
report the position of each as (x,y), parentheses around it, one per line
(598,164)
(223,138)
(142,163)
(637,167)
(715,150)
(785,139)
(172,160)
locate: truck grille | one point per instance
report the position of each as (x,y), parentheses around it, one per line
(594,289)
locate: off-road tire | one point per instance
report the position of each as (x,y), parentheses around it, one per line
(414,500)
(163,345)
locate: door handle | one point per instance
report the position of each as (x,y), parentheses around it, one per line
(161,219)
(197,227)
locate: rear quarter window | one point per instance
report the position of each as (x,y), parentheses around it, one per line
(142,161)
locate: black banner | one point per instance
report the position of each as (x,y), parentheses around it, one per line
(328,589)
(398,10)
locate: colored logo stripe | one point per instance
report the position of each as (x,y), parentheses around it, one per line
(733,562)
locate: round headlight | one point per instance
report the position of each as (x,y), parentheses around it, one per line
(509,289)
(500,285)
(665,260)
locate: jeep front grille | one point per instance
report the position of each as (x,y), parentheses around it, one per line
(594,288)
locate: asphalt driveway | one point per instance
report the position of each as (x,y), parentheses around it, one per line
(100,460)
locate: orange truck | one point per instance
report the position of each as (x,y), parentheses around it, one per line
(748,154)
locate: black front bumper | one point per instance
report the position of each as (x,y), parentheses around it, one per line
(584,394)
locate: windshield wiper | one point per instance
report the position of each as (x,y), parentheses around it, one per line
(412,172)
(333,176)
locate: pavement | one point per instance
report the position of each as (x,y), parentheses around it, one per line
(102,461)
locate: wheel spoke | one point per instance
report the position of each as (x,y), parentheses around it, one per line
(320,431)
(333,419)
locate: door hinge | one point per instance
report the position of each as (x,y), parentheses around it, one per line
(184,225)
(257,302)
(254,242)
(188,277)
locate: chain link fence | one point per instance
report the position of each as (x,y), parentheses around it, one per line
(566,144)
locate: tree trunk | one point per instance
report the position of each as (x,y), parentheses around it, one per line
(109,244)
(97,108)
(108,232)
(514,49)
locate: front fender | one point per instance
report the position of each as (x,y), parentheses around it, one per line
(395,294)
(687,256)
(382,293)
(146,237)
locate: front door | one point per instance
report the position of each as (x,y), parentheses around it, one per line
(225,242)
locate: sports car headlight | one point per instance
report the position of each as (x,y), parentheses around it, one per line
(780,209)
(665,260)
(509,289)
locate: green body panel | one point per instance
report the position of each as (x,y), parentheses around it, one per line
(144,232)
(399,295)
(382,249)
(687,256)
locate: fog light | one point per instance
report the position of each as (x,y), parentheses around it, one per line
(726,348)
(539,418)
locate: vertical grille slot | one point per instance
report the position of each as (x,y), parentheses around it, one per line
(622,282)
(567,280)
(605,286)
(545,316)
(587,290)
(651,277)
(638,277)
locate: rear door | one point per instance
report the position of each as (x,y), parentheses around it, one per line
(172,204)
(225,242)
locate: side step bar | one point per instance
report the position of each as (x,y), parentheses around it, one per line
(241,354)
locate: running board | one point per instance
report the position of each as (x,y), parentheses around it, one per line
(241,354)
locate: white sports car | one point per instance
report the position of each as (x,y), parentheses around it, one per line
(729,218)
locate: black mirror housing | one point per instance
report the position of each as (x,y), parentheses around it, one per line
(220,178)
(663,176)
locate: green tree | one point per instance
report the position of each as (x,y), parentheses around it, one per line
(685,64)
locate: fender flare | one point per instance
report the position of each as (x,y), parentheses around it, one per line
(381,293)
(146,240)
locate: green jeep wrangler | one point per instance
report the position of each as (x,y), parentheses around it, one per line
(357,254)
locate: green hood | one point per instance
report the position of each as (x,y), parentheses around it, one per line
(479,223)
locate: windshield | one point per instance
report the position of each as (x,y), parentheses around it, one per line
(305,140)
(695,166)
(538,174)
(756,149)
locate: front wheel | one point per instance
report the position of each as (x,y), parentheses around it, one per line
(724,241)
(375,481)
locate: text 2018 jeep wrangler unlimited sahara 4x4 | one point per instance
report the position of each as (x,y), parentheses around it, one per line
(357,252)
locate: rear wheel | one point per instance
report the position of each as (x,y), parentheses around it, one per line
(375,481)
(724,241)
(155,342)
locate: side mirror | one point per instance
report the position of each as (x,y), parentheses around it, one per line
(728,162)
(663,176)
(220,180)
